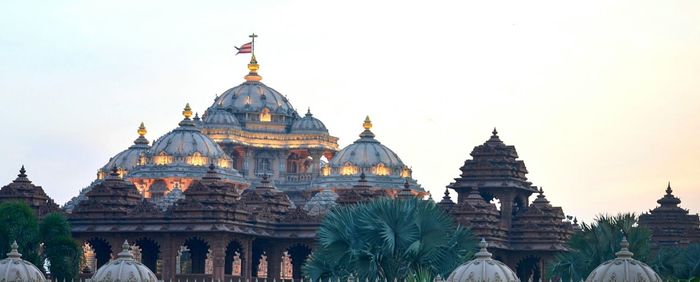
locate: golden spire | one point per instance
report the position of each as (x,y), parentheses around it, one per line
(367,124)
(253,68)
(142,130)
(187,112)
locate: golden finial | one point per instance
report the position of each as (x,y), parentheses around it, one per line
(367,124)
(142,130)
(187,112)
(253,68)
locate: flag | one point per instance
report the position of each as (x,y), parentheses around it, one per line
(245,48)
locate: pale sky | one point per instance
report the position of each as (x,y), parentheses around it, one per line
(600,98)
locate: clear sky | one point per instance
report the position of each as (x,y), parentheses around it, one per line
(600,98)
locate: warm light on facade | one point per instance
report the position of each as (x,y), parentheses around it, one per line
(405,172)
(381,170)
(326,170)
(197,159)
(265,115)
(162,159)
(348,169)
(224,163)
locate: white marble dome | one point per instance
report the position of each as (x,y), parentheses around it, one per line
(309,124)
(219,117)
(125,160)
(483,269)
(623,268)
(14,268)
(124,268)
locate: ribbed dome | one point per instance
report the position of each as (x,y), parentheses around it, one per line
(623,268)
(367,152)
(125,160)
(219,117)
(308,124)
(124,268)
(185,141)
(321,203)
(483,268)
(252,97)
(14,268)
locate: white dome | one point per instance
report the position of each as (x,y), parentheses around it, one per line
(124,268)
(483,268)
(13,268)
(623,268)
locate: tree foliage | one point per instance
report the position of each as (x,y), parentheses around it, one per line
(677,263)
(389,239)
(62,252)
(598,242)
(18,222)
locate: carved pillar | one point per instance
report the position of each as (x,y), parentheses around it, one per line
(219,252)
(250,163)
(276,166)
(274,261)
(168,253)
(283,155)
(247,259)
(316,165)
(506,208)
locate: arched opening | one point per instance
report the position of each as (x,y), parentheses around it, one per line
(298,255)
(194,257)
(518,205)
(233,261)
(150,252)
(259,255)
(102,252)
(529,269)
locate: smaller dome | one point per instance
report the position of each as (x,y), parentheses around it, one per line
(623,268)
(308,124)
(321,203)
(14,268)
(125,160)
(124,268)
(483,268)
(219,117)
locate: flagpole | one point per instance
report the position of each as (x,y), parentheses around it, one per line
(252,43)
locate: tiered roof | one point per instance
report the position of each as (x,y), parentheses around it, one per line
(670,224)
(22,189)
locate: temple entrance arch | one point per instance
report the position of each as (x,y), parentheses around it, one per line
(529,269)
(101,252)
(150,253)
(233,260)
(194,257)
(298,254)
(259,263)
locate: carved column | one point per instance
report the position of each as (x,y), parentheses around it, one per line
(506,208)
(219,252)
(247,260)
(276,166)
(274,261)
(249,163)
(168,253)
(316,165)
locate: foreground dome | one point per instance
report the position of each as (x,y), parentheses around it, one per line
(483,268)
(14,268)
(125,160)
(124,268)
(623,268)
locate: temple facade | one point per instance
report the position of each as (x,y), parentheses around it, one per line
(241,191)
(493,199)
(670,224)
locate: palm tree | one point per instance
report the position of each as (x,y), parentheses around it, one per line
(389,239)
(598,242)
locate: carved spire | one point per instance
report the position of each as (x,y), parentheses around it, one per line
(14,254)
(367,125)
(483,252)
(253,70)
(308,112)
(22,176)
(141,140)
(126,251)
(187,113)
(669,200)
(211,175)
(624,251)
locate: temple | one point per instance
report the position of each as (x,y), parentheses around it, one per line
(670,224)
(525,235)
(241,191)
